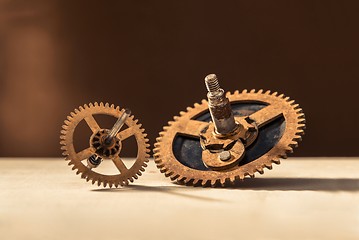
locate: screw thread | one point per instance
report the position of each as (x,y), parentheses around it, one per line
(212,84)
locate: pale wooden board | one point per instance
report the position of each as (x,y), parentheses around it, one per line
(314,198)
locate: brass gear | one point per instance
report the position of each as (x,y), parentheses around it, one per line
(274,106)
(86,113)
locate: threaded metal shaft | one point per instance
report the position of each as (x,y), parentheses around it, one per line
(212,84)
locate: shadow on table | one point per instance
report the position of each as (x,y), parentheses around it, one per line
(173,190)
(300,184)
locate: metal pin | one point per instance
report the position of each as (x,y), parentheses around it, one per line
(118,125)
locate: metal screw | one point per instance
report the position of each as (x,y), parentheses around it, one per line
(219,106)
(225,155)
(212,84)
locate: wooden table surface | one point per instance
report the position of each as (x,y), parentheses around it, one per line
(303,198)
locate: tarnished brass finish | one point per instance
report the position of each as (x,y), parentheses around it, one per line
(186,125)
(109,150)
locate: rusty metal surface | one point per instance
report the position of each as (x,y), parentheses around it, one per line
(125,174)
(265,109)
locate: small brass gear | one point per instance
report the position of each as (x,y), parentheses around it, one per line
(280,123)
(98,151)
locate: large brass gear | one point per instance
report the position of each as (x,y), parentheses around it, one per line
(87,113)
(262,107)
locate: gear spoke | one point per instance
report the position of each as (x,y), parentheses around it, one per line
(86,153)
(192,128)
(266,115)
(128,132)
(91,122)
(119,164)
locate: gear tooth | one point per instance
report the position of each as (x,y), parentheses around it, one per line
(176,118)
(181,179)
(162,134)
(160,165)
(76,111)
(105,184)
(78,172)
(112,106)
(267,92)
(65,153)
(81,108)
(244,91)
(107,105)
(275,94)
(93,181)
(67,123)
(287,99)
(196,105)
(189,109)
(195,182)
(86,106)
(135,176)
(252,91)
(156,155)
(125,182)
(214,182)
(204,101)
(83,175)
(182,112)
(223,181)
(168,173)
(116,185)
(87,179)
(131,180)
(293,144)
(69,118)
(276,160)
(228,93)
(70,163)
(99,182)
(288,150)
(236,92)
(291,102)
(72,114)
(63,143)
(281,95)
(139,173)
(260,91)
(205,182)
(296,106)
(63,148)
(96,104)
(65,127)
(301,114)
(91,105)
(165,128)
(173,177)
(260,170)
(268,166)
(251,175)
(110,184)
(232,179)
(63,137)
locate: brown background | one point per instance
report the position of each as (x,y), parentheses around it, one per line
(152,56)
